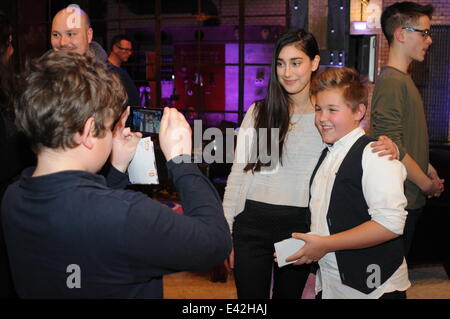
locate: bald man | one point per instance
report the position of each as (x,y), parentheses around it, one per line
(72,31)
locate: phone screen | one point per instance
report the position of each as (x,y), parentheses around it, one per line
(144,120)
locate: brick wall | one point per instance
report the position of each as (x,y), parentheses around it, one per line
(317,21)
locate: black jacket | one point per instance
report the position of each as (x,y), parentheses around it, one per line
(122,241)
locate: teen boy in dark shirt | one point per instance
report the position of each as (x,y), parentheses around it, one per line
(397,107)
(73,234)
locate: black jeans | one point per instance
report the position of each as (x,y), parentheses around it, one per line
(410,226)
(255,230)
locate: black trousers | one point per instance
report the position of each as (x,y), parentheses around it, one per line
(255,230)
(410,227)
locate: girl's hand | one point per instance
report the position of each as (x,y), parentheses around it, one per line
(385,146)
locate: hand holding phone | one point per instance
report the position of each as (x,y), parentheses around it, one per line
(175,137)
(124,143)
(144,120)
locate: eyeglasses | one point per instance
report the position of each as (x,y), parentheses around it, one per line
(124,49)
(425,33)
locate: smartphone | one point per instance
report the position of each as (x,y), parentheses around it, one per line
(144,120)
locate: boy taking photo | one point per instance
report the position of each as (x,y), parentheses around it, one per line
(71,233)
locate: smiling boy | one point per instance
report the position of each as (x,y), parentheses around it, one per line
(357,201)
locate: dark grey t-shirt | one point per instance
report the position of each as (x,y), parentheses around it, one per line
(398,112)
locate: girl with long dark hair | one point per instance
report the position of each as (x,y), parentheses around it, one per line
(265,200)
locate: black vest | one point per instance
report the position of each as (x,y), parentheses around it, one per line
(348,209)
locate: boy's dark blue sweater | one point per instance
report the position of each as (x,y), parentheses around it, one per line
(121,241)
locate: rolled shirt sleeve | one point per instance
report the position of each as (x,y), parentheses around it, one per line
(382,184)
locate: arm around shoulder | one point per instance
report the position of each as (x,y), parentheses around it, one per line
(387,111)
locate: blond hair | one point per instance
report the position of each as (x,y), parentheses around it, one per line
(348,80)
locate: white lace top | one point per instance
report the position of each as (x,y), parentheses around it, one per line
(289,184)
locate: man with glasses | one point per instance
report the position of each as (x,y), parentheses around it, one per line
(397,109)
(121,50)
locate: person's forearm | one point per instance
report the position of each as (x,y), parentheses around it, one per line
(362,236)
(198,195)
(165,241)
(415,173)
(206,232)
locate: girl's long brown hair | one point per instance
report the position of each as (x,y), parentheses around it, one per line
(273,111)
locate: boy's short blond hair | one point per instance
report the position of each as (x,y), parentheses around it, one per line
(61,92)
(345,79)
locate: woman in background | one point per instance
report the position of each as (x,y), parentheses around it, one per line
(15,152)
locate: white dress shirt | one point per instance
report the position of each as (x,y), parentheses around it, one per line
(382,184)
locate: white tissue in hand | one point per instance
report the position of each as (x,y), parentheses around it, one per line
(142,169)
(287,248)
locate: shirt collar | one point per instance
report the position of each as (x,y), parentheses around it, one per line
(59,181)
(347,141)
